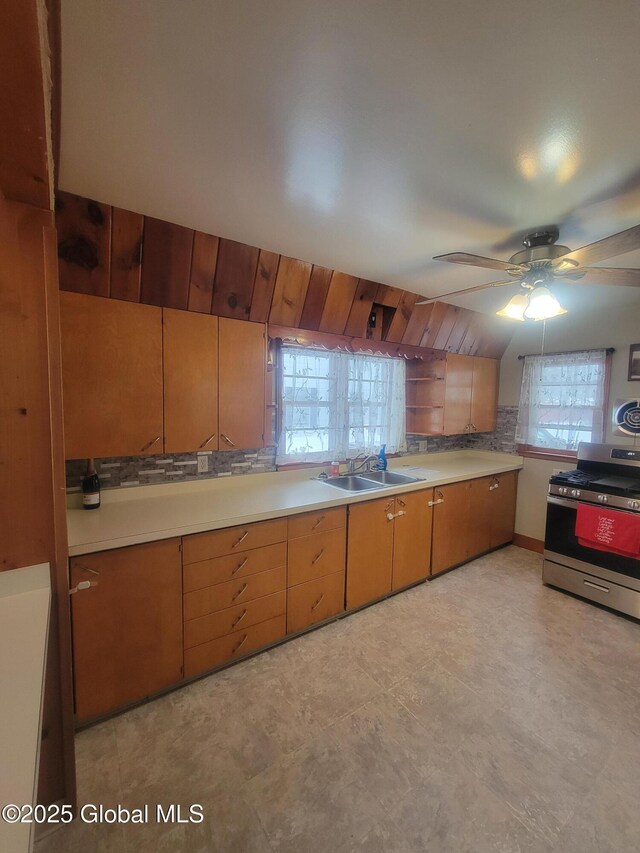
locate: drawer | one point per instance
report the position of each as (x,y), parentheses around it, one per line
(221,569)
(317,522)
(197,631)
(314,601)
(316,555)
(216,652)
(232,540)
(222,595)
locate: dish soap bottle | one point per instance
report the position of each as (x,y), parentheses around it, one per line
(381,464)
(90,487)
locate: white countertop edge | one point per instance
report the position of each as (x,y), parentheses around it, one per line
(499,463)
(25,597)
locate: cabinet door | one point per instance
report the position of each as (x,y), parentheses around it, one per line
(112,376)
(190,368)
(478,527)
(369,551)
(123,648)
(412,538)
(457,395)
(503,513)
(450,526)
(242,358)
(484,394)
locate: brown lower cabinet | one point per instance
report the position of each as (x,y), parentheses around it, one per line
(472,517)
(152,610)
(389,545)
(127,626)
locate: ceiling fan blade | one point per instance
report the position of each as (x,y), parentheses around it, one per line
(466,290)
(477,261)
(607,275)
(609,247)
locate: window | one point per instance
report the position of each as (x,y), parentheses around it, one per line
(562,400)
(336,405)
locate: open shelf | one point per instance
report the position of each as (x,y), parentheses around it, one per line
(425,391)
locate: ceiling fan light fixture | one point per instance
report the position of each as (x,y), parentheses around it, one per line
(515,307)
(543,305)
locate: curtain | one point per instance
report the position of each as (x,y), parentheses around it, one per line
(562,399)
(336,405)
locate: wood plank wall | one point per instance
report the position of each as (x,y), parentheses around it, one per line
(116,253)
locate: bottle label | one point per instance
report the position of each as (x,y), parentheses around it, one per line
(91,499)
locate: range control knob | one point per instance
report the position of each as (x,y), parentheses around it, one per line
(575,493)
(603,499)
(633,504)
(563,490)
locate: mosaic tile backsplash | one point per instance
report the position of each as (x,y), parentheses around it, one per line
(123,471)
(126,471)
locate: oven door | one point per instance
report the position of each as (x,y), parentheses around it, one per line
(561,544)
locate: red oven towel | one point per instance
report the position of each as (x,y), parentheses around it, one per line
(608,530)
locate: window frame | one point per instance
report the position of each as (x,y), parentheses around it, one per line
(280,405)
(532,451)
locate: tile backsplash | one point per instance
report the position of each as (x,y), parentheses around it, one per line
(126,471)
(123,471)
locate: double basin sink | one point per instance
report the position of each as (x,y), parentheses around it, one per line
(370,480)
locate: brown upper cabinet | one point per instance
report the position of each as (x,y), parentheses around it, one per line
(190,367)
(140,379)
(112,376)
(242,359)
(471,392)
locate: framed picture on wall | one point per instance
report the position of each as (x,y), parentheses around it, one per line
(634,362)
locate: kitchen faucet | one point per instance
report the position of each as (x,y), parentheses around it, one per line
(351,463)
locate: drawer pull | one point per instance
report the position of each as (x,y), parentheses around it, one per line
(241,539)
(240,644)
(319,521)
(239,566)
(207,440)
(227,439)
(240,618)
(82,586)
(240,591)
(317,602)
(317,557)
(597,586)
(149,444)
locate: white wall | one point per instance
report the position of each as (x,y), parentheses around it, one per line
(585,330)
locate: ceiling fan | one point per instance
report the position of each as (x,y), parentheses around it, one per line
(542,263)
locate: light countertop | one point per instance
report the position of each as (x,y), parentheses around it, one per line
(25,596)
(138,514)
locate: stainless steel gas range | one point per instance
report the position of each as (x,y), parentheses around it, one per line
(607,477)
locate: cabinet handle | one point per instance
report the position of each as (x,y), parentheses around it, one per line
(241,539)
(149,444)
(319,521)
(239,566)
(239,592)
(317,557)
(317,602)
(82,586)
(240,644)
(435,503)
(240,618)
(227,439)
(390,516)
(401,502)
(207,440)
(474,427)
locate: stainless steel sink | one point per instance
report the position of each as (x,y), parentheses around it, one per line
(388,478)
(351,483)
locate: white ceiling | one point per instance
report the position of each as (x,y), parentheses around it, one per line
(364,136)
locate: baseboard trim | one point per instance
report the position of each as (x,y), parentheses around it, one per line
(528,542)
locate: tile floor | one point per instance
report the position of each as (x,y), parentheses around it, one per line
(480,712)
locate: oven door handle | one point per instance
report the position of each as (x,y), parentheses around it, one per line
(552,499)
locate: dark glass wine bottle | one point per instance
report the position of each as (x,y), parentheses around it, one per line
(90,487)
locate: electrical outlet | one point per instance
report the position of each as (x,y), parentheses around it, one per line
(422,446)
(203,463)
